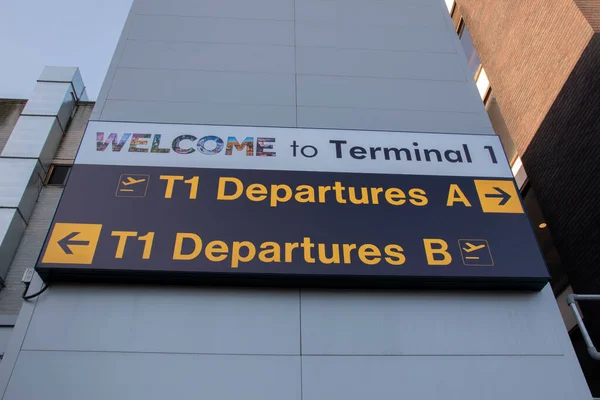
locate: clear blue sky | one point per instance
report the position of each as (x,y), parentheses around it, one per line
(36,33)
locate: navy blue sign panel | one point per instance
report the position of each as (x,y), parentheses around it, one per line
(291,228)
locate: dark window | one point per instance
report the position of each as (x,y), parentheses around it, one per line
(58,175)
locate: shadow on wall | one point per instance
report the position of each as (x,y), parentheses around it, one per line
(563,165)
(10,110)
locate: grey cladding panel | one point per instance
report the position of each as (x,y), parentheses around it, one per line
(70,75)
(204,86)
(394,120)
(379,64)
(208,56)
(34,137)
(447,378)
(260,9)
(360,12)
(29,249)
(171,320)
(211,30)
(447,323)
(52,98)
(11,229)
(199,113)
(59,74)
(29,136)
(373,36)
(112,68)
(21,187)
(400,94)
(135,376)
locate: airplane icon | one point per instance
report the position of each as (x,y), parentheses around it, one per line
(471,247)
(132,185)
(475,252)
(132,181)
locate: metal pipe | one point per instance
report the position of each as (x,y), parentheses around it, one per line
(574,297)
(572,302)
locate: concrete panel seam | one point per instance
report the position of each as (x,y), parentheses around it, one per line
(286,45)
(42,178)
(330,129)
(280,105)
(386,78)
(295,73)
(162,352)
(297,355)
(20,158)
(204,16)
(300,336)
(374,108)
(440,355)
(46,115)
(296,97)
(388,109)
(207,42)
(69,82)
(254,18)
(18,212)
(208,70)
(198,102)
(121,44)
(390,50)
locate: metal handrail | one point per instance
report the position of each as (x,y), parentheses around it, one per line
(572,302)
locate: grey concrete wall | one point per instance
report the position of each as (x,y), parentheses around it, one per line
(133,342)
(356,64)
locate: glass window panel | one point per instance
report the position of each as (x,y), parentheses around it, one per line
(449,4)
(473,61)
(483,84)
(495,115)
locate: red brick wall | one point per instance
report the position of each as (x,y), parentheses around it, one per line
(528,49)
(543,62)
(591,11)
